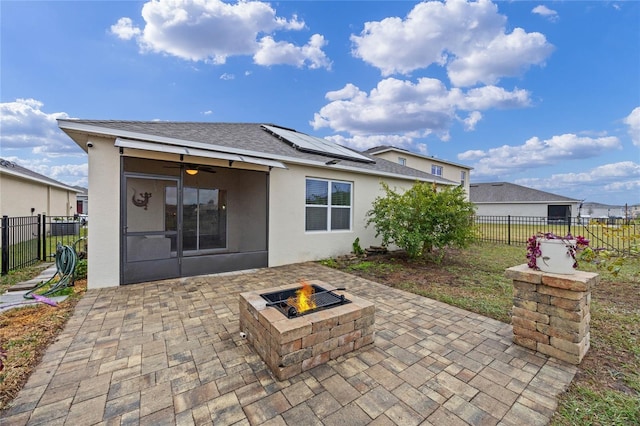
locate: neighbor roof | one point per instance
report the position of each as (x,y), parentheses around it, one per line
(11,168)
(237,138)
(504,192)
(386,148)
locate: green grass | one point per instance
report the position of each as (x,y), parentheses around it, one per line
(619,237)
(20,275)
(586,407)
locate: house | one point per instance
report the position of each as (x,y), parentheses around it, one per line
(504,199)
(458,173)
(82,200)
(605,212)
(175,199)
(27,193)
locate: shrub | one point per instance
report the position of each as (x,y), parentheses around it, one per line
(357,249)
(423,218)
(81,269)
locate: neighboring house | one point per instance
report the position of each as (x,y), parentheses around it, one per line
(27,193)
(82,200)
(457,173)
(503,199)
(598,211)
(172,199)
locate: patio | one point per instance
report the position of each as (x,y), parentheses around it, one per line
(170,352)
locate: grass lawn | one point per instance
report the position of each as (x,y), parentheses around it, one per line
(606,389)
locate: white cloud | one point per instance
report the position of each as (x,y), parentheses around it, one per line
(211,31)
(506,55)
(544,11)
(402,106)
(124,29)
(471,121)
(227,76)
(31,138)
(25,125)
(468,38)
(275,53)
(615,177)
(536,153)
(362,143)
(633,121)
(208,112)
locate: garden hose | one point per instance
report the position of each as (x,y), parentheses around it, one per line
(66,261)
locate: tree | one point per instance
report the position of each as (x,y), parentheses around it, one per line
(423,218)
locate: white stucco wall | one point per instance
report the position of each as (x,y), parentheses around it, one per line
(104,230)
(18,196)
(519,209)
(288,241)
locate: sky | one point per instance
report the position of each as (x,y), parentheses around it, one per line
(544,94)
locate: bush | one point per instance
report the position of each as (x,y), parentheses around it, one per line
(81,269)
(423,218)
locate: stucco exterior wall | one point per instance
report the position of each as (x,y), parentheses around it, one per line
(19,196)
(519,209)
(104,230)
(288,241)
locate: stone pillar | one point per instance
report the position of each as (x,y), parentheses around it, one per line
(551,311)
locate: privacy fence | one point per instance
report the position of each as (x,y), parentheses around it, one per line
(618,235)
(31,239)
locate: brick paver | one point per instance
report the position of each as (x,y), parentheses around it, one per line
(170,352)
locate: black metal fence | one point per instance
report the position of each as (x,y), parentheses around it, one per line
(619,235)
(31,239)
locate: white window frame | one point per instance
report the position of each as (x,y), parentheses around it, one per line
(402,161)
(463,178)
(329,206)
(436,170)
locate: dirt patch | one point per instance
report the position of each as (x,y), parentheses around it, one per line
(25,334)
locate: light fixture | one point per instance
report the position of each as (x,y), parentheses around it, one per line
(191,172)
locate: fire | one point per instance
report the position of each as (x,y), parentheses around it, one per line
(303,300)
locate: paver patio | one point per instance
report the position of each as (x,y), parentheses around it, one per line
(170,352)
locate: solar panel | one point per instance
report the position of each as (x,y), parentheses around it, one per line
(306,143)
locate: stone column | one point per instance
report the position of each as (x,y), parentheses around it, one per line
(551,311)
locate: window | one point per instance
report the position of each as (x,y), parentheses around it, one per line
(204,217)
(436,170)
(402,161)
(463,178)
(327,205)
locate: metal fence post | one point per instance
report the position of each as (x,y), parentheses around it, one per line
(44,237)
(509,229)
(39,236)
(5,245)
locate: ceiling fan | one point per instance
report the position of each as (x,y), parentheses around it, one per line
(192,169)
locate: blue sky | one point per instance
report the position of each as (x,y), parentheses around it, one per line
(544,94)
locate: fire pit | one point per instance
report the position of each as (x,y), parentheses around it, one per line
(304,300)
(297,327)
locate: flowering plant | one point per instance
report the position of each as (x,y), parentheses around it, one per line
(533,247)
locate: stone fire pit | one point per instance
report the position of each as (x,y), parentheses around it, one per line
(290,346)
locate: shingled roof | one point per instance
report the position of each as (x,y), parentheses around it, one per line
(14,169)
(505,192)
(238,138)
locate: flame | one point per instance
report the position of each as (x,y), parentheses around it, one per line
(303,301)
